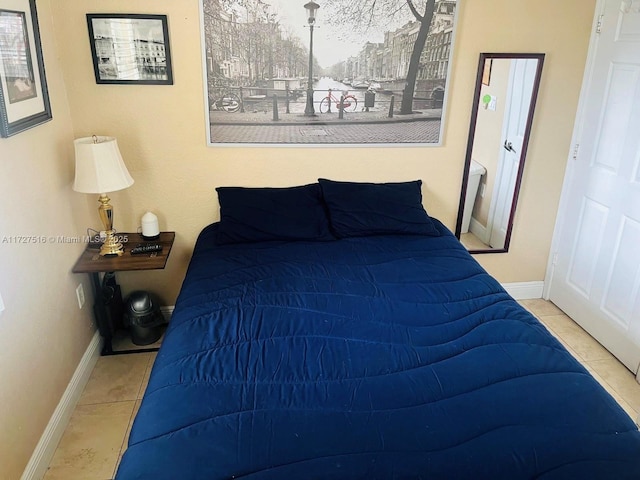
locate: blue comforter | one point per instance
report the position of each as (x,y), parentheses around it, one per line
(389,357)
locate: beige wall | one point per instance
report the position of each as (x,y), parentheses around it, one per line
(43,334)
(161,130)
(161,133)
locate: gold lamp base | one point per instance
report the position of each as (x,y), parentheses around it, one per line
(111,245)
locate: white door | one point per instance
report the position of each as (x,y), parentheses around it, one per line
(521,79)
(596,278)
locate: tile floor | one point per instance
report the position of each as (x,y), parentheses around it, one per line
(472,242)
(98,430)
(97,434)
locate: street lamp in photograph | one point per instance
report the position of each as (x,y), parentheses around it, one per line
(311,8)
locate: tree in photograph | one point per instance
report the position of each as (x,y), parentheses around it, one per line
(235,29)
(369,14)
(216,47)
(293,56)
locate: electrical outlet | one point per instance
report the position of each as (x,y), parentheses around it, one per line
(80,295)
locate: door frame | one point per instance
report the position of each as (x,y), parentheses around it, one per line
(505,185)
(500,182)
(570,169)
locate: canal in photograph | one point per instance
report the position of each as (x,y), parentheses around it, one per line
(321,90)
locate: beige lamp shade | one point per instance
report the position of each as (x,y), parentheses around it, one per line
(99,166)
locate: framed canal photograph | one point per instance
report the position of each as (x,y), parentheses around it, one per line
(328,72)
(24,99)
(130,48)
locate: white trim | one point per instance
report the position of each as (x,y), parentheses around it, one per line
(478,230)
(575,138)
(167,311)
(524,290)
(43,453)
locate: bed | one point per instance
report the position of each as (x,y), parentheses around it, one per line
(390,355)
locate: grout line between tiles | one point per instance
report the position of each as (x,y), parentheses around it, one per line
(587,364)
(107,401)
(123,447)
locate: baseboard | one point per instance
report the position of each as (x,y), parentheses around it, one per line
(479,230)
(524,290)
(43,453)
(167,312)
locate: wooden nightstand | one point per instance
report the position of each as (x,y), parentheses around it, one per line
(91,262)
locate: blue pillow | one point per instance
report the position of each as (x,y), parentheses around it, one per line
(362,209)
(262,214)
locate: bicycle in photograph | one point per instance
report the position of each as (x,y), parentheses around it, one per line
(349,102)
(228,101)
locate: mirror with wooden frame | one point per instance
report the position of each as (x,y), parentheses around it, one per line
(503,105)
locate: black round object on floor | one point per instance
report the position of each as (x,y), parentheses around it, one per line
(142,315)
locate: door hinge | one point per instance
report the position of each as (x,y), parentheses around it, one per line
(576,147)
(599,24)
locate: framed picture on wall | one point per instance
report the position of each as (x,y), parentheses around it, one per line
(24,99)
(336,72)
(130,48)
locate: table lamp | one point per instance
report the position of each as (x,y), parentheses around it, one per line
(100,169)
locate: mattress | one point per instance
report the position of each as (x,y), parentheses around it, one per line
(381,357)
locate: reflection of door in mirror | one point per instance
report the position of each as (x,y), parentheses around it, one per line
(500,126)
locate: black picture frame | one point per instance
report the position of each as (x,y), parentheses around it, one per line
(24,97)
(113,37)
